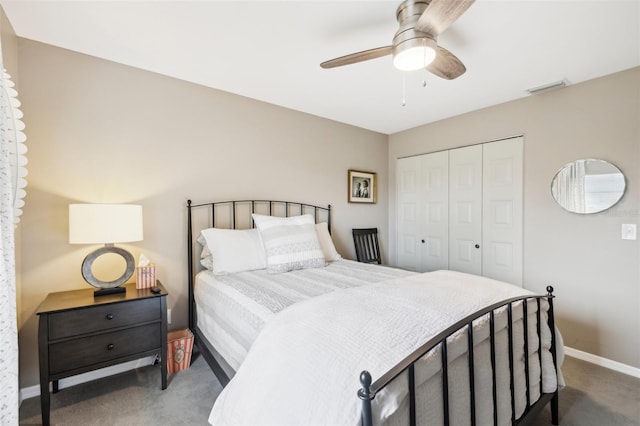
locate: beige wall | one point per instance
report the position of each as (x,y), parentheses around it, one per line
(596,274)
(103,132)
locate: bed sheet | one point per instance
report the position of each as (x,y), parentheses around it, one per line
(232,309)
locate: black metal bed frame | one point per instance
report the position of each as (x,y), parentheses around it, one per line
(218,365)
(370,389)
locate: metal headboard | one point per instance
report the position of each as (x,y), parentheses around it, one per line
(236,211)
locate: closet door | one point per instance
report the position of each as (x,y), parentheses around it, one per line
(409,226)
(435,169)
(502,210)
(462,210)
(465,209)
(422,214)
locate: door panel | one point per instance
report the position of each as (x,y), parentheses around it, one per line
(436,205)
(465,207)
(408,223)
(502,254)
(434,248)
(423,212)
(464,252)
(502,212)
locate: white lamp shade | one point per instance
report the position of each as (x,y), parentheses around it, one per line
(104,223)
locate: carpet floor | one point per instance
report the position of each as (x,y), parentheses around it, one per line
(594,396)
(132,398)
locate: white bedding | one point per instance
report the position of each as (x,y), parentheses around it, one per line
(232,309)
(304,366)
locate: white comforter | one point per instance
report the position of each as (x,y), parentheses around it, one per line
(303,369)
(232,309)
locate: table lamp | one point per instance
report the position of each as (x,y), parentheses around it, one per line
(105,224)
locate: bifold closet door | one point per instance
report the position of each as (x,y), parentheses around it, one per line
(502,211)
(422,214)
(435,240)
(409,226)
(465,209)
(461,210)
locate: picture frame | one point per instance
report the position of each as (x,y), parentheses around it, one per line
(362,187)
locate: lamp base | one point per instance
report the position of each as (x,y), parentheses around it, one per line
(112,290)
(107,287)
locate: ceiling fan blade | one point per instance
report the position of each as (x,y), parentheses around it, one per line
(440,14)
(446,65)
(353,58)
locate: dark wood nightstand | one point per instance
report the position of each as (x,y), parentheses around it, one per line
(79,333)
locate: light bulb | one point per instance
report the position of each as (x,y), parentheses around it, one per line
(414,54)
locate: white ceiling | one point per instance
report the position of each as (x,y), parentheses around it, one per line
(271,50)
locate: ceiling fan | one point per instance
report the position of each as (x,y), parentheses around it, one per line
(415,43)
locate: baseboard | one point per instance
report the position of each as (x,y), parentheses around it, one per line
(31,391)
(603,362)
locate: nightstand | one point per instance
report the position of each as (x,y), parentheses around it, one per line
(79,333)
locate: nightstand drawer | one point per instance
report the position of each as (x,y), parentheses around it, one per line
(80,353)
(103,317)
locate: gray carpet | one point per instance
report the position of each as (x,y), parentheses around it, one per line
(594,396)
(133,398)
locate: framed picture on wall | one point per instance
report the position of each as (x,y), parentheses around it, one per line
(362,187)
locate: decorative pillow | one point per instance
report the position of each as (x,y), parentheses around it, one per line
(235,250)
(326,243)
(290,242)
(206,259)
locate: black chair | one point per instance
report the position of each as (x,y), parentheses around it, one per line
(367,248)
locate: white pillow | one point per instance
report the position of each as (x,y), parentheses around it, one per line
(290,242)
(326,243)
(235,250)
(206,259)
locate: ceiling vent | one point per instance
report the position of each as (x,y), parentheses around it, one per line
(548,87)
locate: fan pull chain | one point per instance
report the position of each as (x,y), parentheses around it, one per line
(404,89)
(424,80)
(424,52)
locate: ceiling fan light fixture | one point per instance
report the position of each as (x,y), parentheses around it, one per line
(414,54)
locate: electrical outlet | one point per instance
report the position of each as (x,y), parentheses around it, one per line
(169,316)
(628,231)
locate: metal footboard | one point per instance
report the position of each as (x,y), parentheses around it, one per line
(369,390)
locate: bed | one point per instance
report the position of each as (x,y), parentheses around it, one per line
(304,346)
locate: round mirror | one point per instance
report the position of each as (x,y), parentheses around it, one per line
(588,186)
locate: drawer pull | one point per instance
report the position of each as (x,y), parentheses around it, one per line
(109,316)
(110,346)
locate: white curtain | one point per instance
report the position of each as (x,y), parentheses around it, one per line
(569,186)
(8,319)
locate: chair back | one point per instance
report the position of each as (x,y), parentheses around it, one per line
(366,243)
